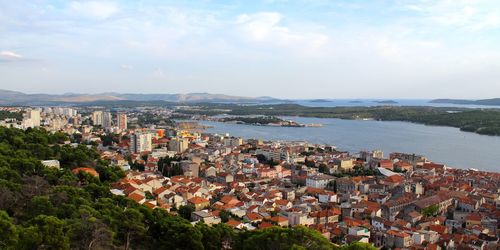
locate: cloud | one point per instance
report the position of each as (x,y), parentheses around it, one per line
(10,56)
(126,67)
(267,27)
(469,15)
(94,9)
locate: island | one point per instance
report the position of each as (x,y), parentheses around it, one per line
(320,100)
(264,121)
(486,102)
(386,102)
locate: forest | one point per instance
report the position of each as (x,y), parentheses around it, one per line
(49,208)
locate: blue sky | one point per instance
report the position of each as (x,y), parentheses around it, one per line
(286,49)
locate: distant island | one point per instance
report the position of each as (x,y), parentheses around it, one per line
(355,101)
(320,100)
(487,102)
(386,102)
(264,121)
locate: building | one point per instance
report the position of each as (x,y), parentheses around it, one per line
(319,180)
(97,118)
(141,142)
(121,120)
(32,119)
(107,120)
(206,217)
(178,145)
(51,164)
(199,203)
(398,239)
(232,142)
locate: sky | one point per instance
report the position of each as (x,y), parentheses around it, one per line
(286,49)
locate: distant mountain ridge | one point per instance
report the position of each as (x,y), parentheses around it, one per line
(8,97)
(488,102)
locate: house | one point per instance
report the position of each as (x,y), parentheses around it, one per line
(224,177)
(319,180)
(345,185)
(253,217)
(472,220)
(279,220)
(398,239)
(199,203)
(205,216)
(283,204)
(441,202)
(359,231)
(325,216)
(137,198)
(299,218)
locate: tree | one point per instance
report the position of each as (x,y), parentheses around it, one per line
(8,232)
(186,211)
(90,233)
(430,210)
(219,236)
(224,216)
(323,168)
(173,232)
(44,232)
(359,246)
(132,226)
(283,238)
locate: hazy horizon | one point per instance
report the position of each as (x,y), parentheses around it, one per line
(306,49)
(261,96)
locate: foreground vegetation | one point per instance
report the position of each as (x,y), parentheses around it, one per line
(481,121)
(47,208)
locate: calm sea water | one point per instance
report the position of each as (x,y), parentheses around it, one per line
(370,102)
(440,144)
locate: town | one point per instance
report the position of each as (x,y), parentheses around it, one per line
(392,200)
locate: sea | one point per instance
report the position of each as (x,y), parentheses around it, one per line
(440,144)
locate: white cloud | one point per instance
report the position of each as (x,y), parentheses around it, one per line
(267,27)
(10,55)
(469,15)
(94,9)
(126,67)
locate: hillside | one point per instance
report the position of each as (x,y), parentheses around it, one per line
(47,208)
(8,97)
(488,102)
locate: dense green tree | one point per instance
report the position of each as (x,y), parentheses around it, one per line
(277,238)
(44,232)
(131,228)
(8,232)
(359,246)
(430,211)
(185,211)
(172,232)
(216,237)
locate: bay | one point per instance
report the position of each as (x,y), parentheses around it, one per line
(445,145)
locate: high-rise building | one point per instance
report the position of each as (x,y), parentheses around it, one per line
(121,120)
(140,142)
(178,144)
(97,118)
(107,120)
(34,116)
